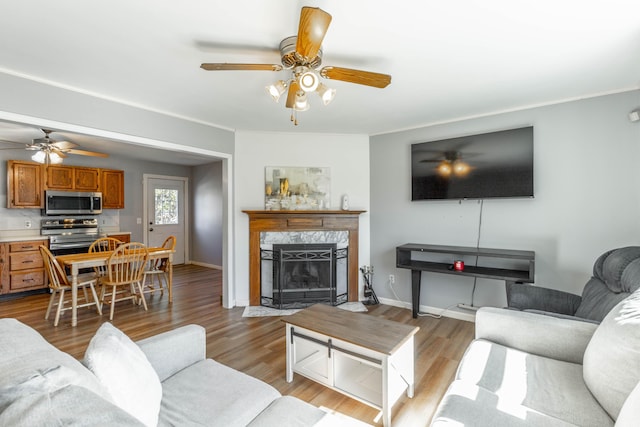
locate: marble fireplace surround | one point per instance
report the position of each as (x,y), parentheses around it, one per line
(293,221)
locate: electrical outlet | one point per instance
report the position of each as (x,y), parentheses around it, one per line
(27,224)
(392,279)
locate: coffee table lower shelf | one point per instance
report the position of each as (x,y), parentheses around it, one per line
(373,378)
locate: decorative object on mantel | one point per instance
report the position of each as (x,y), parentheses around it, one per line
(345,203)
(297,188)
(260,311)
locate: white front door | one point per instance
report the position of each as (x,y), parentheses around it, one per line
(166,214)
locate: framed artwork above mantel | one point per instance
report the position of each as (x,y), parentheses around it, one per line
(297,188)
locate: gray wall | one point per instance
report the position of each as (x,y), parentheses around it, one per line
(206,214)
(586,200)
(31,98)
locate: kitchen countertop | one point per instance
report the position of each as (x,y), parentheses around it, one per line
(8,238)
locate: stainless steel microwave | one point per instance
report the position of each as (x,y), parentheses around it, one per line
(72,203)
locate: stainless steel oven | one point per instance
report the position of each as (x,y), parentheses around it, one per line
(70,235)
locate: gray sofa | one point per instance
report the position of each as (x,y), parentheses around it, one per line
(524,369)
(616,275)
(41,385)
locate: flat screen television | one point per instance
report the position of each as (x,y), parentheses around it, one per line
(489,165)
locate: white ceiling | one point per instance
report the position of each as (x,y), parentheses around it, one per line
(448,59)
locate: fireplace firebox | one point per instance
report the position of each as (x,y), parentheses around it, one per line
(299,275)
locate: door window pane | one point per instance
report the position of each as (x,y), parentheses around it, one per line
(166,206)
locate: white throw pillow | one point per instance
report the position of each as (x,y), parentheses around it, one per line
(124,370)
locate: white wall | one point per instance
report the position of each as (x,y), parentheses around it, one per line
(587,200)
(346,155)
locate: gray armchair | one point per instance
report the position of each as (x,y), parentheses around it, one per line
(616,274)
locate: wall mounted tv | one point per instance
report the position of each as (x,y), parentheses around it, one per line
(488,165)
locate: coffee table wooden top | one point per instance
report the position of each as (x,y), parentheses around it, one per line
(381,335)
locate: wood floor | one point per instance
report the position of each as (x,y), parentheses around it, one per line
(256,346)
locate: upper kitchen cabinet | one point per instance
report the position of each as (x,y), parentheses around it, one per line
(27,181)
(72,178)
(112,187)
(24,185)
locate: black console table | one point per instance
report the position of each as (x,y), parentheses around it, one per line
(404,259)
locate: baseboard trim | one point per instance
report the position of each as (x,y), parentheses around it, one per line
(204,264)
(436,311)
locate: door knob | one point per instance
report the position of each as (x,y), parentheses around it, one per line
(151,229)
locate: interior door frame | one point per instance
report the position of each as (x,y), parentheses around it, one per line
(145,208)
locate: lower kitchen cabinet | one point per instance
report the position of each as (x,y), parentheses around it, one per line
(123,237)
(22,266)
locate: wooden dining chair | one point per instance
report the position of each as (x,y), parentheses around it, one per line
(104,244)
(158,269)
(123,277)
(59,283)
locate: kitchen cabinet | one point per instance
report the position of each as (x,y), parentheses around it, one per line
(22,266)
(72,178)
(123,237)
(86,179)
(59,178)
(112,187)
(24,185)
(26,182)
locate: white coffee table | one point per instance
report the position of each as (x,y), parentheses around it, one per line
(365,357)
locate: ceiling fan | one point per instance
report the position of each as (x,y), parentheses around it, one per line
(303,55)
(50,151)
(451,163)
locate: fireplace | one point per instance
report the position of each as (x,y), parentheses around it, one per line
(261,222)
(298,275)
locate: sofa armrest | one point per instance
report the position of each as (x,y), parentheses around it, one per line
(557,338)
(524,296)
(172,351)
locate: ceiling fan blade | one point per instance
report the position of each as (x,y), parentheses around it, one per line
(225,66)
(312,28)
(64,145)
(294,87)
(58,151)
(86,153)
(360,77)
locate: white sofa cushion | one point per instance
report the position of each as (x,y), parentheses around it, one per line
(125,372)
(25,353)
(612,358)
(630,412)
(59,407)
(209,393)
(465,404)
(523,383)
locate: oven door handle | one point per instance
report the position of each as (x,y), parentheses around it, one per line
(69,246)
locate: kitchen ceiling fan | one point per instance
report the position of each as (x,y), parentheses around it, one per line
(50,151)
(303,55)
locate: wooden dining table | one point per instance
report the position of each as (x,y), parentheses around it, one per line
(76,262)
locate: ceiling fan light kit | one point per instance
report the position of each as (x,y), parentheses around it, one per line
(277,89)
(302,54)
(46,157)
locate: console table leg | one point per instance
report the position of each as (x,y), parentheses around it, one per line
(415,291)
